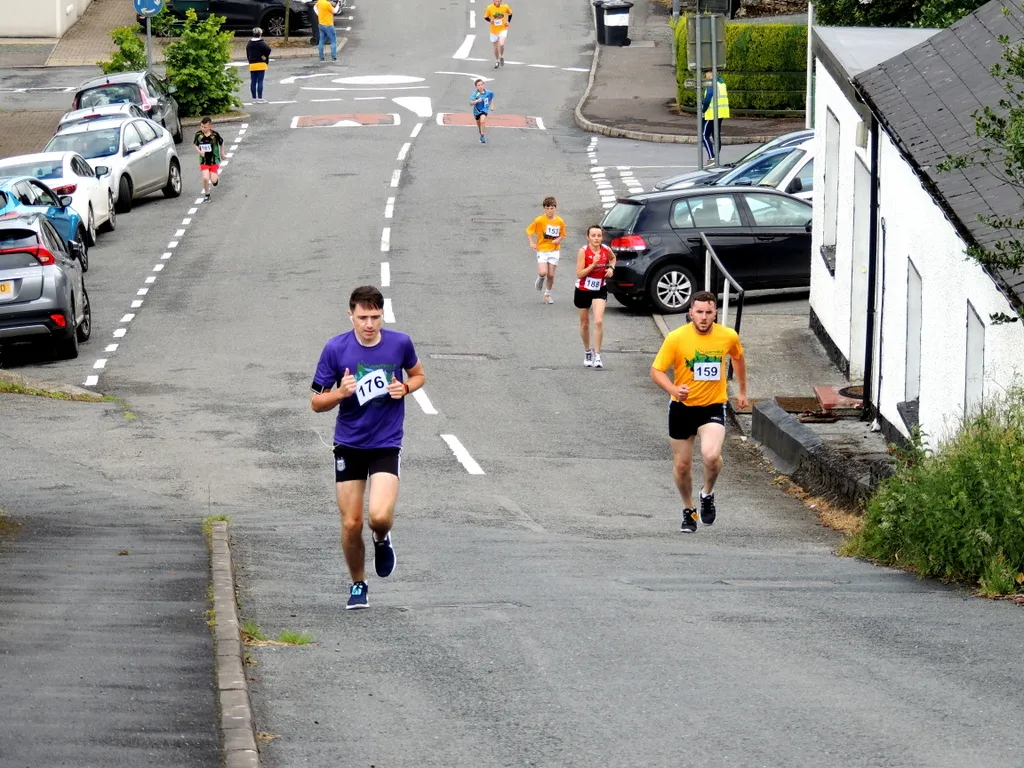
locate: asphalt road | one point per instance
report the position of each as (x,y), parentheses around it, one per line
(545,612)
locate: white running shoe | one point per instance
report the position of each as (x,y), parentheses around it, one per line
(539,283)
(588,359)
(547,298)
(597,360)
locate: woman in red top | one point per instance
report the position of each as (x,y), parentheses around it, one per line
(594,264)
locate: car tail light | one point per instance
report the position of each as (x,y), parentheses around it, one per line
(43,255)
(629,243)
(67,189)
(146,104)
(59,320)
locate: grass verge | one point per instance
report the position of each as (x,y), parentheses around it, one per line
(8,387)
(252,635)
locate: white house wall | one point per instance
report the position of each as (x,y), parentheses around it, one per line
(830,295)
(915,227)
(40,18)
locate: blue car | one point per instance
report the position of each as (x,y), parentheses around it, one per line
(22,195)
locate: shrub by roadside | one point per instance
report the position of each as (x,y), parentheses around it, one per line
(130,55)
(957,514)
(197,66)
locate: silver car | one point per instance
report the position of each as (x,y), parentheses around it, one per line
(139,154)
(42,291)
(105,112)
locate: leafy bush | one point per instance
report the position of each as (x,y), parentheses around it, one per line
(165,23)
(957,515)
(197,67)
(893,13)
(130,55)
(766,67)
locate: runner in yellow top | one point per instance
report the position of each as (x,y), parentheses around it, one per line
(696,353)
(546,234)
(498,15)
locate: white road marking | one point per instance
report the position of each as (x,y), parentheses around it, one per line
(225,164)
(127,318)
(385,240)
(597,170)
(120,332)
(151,279)
(509,61)
(462,455)
(416,131)
(199,201)
(395,176)
(542,66)
(142,291)
(381,88)
(475,59)
(389,312)
(291,80)
(472,75)
(465,48)
(318,101)
(575,69)
(385,274)
(111,348)
(515,509)
(229,155)
(192,211)
(424,402)
(180,233)
(357,98)
(540,124)
(404,151)
(136,304)
(158,267)
(101,363)
(378,80)
(172,244)
(91,381)
(418,105)
(165,256)
(186,222)
(389,209)
(472,19)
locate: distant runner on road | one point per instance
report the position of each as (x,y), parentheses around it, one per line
(208,143)
(483,102)
(360,373)
(499,15)
(696,353)
(546,234)
(594,264)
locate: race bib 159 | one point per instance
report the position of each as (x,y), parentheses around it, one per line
(710,371)
(373,384)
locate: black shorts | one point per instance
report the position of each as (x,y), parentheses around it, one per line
(583,299)
(360,463)
(685,420)
(478,115)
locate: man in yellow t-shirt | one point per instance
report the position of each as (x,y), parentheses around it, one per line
(696,353)
(546,234)
(498,15)
(325,10)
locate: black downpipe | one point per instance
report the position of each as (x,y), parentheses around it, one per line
(869,346)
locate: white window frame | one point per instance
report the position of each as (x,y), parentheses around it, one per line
(832,130)
(974,363)
(915,323)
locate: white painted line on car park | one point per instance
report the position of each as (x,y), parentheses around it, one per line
(385,274)
(185,222)
(472,19)
(158,267)
(172,244)
(199,201)
(180,233)
(389,209)
(165,256)
(142,291)
(92,381)
(416,131)
(462,455)
(101,363)
(424,402)
(465,48)
(120,332)
(385,240)
(395,176)
(136,304)
(404,151)
(150,280)
(111,348)
(389,312)
(127,318)
(192,211)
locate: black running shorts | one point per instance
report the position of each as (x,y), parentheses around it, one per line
(360,463)
(685,420)
(583,299)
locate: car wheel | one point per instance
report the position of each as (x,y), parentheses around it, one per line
(66,347)
(81,237)
(124,195)
(111,223)
(671,289)
(273,23)
(173,188)
(631,302)
(84,330)
(91,229)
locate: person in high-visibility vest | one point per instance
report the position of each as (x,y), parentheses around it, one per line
(721,94)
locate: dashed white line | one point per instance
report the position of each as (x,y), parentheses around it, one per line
(385,240)
(127,318)
(172,244)
(91,381)
(395,176)
(111,348)
(424,402)
(185,222)
(136,304)
(462,455)
(465,48)
(142,291)
(540,123)
(416,131)
(192,211)
(150,280)
(385,274)
(101,363)
(389,312)
(165,256)
(320,101)
(158,267)
(575,69)
(472,19)
(404,151)
(389,209)
(120,332)
(542,66)
(368,98)
(179,233)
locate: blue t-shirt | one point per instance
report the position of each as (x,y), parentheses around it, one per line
(484,106)
(370,417)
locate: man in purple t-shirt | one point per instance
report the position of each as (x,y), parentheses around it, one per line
(361,373)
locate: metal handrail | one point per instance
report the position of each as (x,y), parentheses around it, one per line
(709,257)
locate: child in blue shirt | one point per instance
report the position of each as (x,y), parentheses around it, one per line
(482,101)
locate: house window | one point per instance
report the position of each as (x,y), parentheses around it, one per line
(913,378)
(975,369)
(828,248)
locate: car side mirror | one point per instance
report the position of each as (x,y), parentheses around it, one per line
(65,201)
(133,147)
(172,88)
(795,186)
(76,250)
(101,171)
(807,226)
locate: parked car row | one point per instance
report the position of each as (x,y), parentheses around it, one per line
(114,146)
(242,15)
(755,214)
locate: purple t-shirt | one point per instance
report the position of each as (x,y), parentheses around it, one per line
(370,417)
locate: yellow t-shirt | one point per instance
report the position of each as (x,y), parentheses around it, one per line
(698,362)
(325,12)
(498,14)
(547,230)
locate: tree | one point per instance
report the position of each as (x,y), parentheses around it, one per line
(197,66)
(1001,151)
(894,13)
(130,55)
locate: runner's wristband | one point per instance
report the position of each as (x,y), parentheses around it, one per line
(406,385)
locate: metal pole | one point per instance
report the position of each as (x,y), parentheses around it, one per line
(149,44)
(700,99)
(714,87)
(809,98)
(675,27)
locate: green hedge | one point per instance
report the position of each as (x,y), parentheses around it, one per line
(766,67)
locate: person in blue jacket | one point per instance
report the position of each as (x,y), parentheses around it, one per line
(720,93)
(483,102)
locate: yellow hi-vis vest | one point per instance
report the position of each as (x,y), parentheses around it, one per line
(722,94)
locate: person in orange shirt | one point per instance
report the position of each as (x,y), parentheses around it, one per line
(696,353)
(498,15)
(325,10)
(546,234)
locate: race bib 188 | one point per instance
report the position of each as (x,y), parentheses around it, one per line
(711,371)
(373,384)
(592,283)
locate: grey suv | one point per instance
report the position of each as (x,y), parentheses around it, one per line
(42,292)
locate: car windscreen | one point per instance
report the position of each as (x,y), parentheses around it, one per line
(45,169)
(751,172)
(621,216)
(775,176)
(118,93)
(778,141)
(89,144)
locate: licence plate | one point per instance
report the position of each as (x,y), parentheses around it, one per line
(6,290)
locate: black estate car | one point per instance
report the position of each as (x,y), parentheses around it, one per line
(246,14)
(762,237)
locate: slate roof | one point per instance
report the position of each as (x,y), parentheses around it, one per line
(856,49)
(924,97)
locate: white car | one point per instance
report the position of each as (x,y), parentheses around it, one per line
(139,153)
(67,173)
(795,174)
(103,112)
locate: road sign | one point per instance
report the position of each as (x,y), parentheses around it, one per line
(712,28)
(148,7)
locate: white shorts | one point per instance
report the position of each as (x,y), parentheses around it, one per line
(548,257)
(500,36)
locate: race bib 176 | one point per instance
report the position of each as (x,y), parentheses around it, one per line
(373,384)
